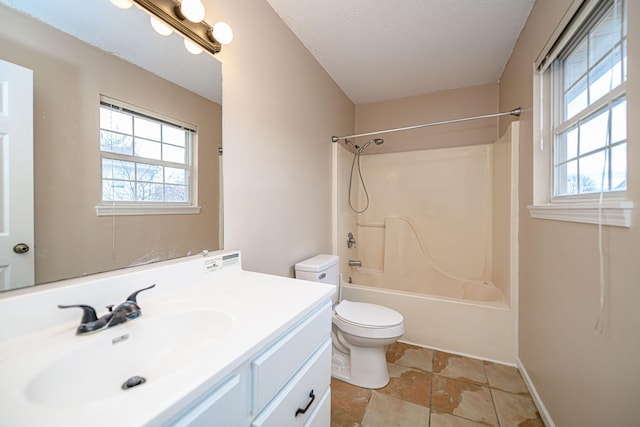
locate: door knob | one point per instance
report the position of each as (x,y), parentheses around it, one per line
(21,248)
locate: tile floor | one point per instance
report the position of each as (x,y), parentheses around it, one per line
(430,388)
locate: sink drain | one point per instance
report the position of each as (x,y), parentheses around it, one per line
(133,382)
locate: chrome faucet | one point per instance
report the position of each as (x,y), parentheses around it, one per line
(125,311)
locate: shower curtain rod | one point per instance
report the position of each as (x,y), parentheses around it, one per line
(515,112)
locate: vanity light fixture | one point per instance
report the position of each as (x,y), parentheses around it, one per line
(160,27)
(192,47)
(186,17)
(222,32)
(122,4)
(193,10)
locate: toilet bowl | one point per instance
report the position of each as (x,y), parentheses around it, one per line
(360,331)
(363,330)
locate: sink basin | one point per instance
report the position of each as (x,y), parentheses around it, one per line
(76,370)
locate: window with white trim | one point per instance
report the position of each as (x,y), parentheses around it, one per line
(583,114)
(590,109)
(146,161)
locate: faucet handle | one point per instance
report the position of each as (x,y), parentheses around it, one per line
(88,315)
(134,295)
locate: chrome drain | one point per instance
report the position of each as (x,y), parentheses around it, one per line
(133,382)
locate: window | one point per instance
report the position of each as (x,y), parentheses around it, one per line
(582,117)
(146,161)
(590,109)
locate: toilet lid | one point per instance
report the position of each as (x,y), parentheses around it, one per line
(368,315)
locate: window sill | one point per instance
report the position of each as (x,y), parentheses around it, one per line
(614,213)
(104,210)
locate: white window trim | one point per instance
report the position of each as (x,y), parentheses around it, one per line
(116,208)
(613,213)
(612,210)
(139,209)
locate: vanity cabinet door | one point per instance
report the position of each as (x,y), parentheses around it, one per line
(321,417)
(277,365)
(304,397)
(219,407)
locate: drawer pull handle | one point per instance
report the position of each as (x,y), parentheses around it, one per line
(302,411)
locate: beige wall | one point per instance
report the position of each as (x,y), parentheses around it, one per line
(280,110)
(69,77)
(433,107)
(583,379)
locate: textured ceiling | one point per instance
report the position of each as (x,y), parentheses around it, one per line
(128,34)
(387,49)
(374,49)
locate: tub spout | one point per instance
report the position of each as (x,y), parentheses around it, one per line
(355,263)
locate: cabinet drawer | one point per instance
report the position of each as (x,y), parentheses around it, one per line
(273,369)
(321,417)
(305,391)
(217,407)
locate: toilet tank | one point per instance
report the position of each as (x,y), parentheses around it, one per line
(320,268)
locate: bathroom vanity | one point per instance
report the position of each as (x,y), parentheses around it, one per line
(215,346)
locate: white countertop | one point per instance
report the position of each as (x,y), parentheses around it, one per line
(262,308)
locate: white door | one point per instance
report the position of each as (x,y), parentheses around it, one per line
(16,176)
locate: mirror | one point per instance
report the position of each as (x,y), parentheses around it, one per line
(69,77)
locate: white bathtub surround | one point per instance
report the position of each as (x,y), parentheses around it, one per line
(431,218)
(439,244)
(212,319)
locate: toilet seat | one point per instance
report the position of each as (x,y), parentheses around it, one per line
(368,320)
(368,315)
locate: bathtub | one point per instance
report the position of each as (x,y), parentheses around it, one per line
(441,310)
(477,323)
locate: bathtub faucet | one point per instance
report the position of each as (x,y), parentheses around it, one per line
(355,263)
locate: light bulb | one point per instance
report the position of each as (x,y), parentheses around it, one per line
(193,10)
(160,27)
(223,32)
(192,47)
(122,4)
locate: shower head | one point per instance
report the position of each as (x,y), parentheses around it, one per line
(378,141)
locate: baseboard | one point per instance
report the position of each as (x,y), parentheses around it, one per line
(546,417)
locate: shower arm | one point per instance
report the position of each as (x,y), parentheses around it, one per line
(515,112)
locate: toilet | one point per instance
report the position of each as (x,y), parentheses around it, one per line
(360,331)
